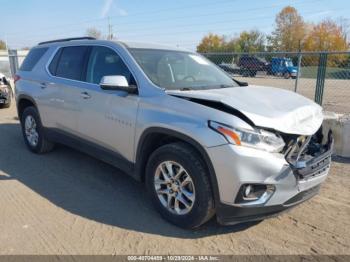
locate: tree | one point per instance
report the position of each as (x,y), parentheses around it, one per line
(326,36)
(289,32)
(211,43)
(93,32)
(252,41)
(2,45)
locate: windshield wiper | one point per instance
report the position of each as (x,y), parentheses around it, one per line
(185,89)
(218,86)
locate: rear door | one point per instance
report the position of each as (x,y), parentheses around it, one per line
(67,68)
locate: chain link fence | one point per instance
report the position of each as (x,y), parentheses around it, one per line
(321,76)
(10,61)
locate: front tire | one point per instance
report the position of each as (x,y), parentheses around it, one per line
(286,75)
(253,73)
(33,132)
(178,183)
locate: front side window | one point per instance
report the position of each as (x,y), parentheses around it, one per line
(289,64)
(104,61)
(176,70)
(71,62)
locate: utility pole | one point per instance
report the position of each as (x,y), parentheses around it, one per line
(6,43)
(110,29)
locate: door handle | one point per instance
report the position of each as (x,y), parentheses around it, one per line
(85,95)
(43,85)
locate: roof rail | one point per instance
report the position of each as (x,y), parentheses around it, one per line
(68,39)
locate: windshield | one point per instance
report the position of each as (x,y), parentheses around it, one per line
(289,63)
(177,70)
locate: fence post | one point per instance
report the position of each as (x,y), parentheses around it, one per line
(298,72)
(13,59)
(321,75)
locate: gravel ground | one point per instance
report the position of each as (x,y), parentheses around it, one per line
(68,203)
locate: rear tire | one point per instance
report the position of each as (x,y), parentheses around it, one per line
(33,132)
(199,207)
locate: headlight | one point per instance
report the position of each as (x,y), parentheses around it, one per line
(258,138)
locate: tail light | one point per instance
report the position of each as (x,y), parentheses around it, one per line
(16,78)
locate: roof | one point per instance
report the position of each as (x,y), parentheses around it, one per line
(86,40)
(143,45)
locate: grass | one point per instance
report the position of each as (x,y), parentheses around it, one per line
(331,72)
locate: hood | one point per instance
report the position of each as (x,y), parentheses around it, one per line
(267,107)
(292,68)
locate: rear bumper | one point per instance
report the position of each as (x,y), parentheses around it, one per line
(230,215)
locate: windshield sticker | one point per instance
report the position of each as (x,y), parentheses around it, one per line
(199,60)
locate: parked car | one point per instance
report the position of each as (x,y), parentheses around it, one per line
(250,65)
(230,68)
(202,144)
(284,67)
(5,92)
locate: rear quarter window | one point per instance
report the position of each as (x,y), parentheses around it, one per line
(54,62)
(33,58)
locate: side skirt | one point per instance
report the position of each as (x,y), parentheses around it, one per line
(106,155)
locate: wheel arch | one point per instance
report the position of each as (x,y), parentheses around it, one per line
(154,137)
(24,101)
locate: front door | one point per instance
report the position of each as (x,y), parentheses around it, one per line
(108,118)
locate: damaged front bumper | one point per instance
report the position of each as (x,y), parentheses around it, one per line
(295,177)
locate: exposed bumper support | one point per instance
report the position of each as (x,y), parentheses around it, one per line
(305,169)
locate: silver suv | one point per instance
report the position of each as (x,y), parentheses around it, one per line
(203,143)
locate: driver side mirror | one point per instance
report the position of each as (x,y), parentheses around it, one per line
(117,82)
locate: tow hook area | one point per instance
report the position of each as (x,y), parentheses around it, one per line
(308,157)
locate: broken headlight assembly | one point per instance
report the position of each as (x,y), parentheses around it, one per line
(257,138)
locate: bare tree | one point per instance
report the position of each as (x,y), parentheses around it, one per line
(94,32)
(344,24)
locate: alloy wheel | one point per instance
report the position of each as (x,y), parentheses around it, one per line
(30,128)
(174,187)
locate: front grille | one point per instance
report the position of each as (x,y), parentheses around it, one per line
(2,92)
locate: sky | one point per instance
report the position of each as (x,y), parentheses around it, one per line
(181,23)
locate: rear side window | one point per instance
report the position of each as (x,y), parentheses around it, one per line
(32,58)
(71,62)
(54,62)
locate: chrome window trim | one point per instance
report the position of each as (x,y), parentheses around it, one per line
(89,45)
